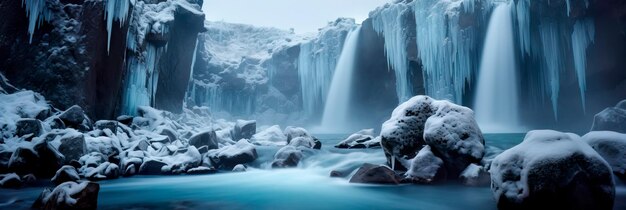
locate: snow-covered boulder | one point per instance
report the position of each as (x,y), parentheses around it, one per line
(362,139)
(244,129)
(201,170)
(65,174)
(105,170)
(69,195)
(106,124)
(612,147)
(28,126)
(152,167)
(181,162)
(293,132)
(227,157)
(11,180)
(271,134)
(286,157)
(72,145)
(425,167)
(75,117)
(104,145)
(552,170)
(375,174)
(49,159)
(207,138)
(449,129)
(611,119)
(475,175)
(23,104)
(23,161)
(239,168)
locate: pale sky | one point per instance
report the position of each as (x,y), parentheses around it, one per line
(303,15)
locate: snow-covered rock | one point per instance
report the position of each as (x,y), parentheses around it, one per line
(244,129)
(293,132)
(11,180)
(612,147)
(227,157)
(104,145)
(28,126)
(13,107)
(182,162)
(201,170)
(72,145)
(449,129)
(152,167)
(552,170)
(425,167)
(239,168)
(611,119)
(65,174)
(475,175)
(374,174)
(270,134)
(207,138)
(75,117)
(23,161)
(69,195)
(105,170)
(49,159)
(106,124)
(362,139)
(287,157)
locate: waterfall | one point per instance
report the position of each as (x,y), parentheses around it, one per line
(338,101)
(497,95)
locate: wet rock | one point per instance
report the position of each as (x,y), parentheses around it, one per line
(375,174)
(337,174)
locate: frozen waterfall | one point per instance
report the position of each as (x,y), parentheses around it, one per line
(338,101)
(496,104)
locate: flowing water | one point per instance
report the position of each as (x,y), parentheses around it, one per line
(307,187)
(335,116)
(496,104)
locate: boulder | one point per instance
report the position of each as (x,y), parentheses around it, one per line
(244,129)
(612,147)
(75,117)
(151,167)
(125,119)
(475,175)
(105,145)
(287,157)
(359,140)
(449,129)
(375,174)
(69,195)
(201,170)
(228,157)
(271,134)
(23,161)
(50,159)
(169,133)
(552,170)
(65,174)
(29,179)
(182,161)
(207,138)
(611,119)
(10,181)
(140,145)
(56,123)
(305,142)
(293,132)
(425,167)
(73,146)
(106,124)
(239,168)
(28,126)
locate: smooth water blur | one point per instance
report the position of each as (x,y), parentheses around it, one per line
(307,187)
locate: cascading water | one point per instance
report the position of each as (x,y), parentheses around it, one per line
(338,101)
(496,104)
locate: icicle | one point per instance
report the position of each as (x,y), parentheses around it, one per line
(388,23)
(393,162)
(552,51)
(115,10)
(37,12)
(142,80)
(582,37)
(522,11)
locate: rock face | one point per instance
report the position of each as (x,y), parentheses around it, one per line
(450,130)
(612,147)
(229,156)
(207,138)
(374,174)
(552,170)
(611,119)
(69,195)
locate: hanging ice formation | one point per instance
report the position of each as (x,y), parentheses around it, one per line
(317,62)
(115,10)
(386,22)
(551,49)
(141,83)
(448,51)
(37,12)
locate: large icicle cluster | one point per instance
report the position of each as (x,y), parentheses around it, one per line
(448,51)
(317,62)
(37,12)
(551,48)
(142,61)
(115,10)
(386,22)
